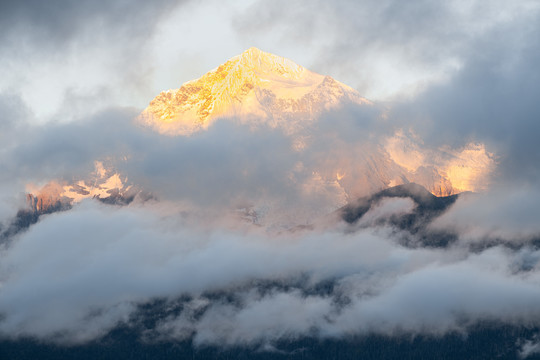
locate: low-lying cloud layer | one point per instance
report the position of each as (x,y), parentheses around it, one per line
(75,275)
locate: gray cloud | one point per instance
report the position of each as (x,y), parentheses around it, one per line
(491,99)
(385,208)
(75,275)
(67,59)
(12,111)
(500,214)
(228,166)
(61,23)
(65,150)
(370,38)
(433,299)
(133,255)
(529,347)
(475,65)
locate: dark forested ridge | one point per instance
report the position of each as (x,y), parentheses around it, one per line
(138,340)
(416,233)
(482,342)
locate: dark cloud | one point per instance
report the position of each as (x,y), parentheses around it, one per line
(59,23)
(14,116)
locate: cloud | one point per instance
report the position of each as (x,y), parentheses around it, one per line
(433,299)
(443,297)
(12,112)
(230,166)
(508,214)
(250,167)
(59,23)
(56,53)
(529,347)
(386,208)
(281,315)
(490,100)
(456,72)
(78,273)
(387,49)
(75,275)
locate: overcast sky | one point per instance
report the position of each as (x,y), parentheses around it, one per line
(452,71)
(125,52)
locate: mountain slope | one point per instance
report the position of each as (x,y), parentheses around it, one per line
(254,83)
(323,122)
(258,88)
(104,184)
(427,207)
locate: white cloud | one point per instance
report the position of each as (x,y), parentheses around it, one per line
(502,213)
(75,275)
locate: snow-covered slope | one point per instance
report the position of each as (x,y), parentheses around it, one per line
(329,156)
(261,88)
(104,184)
(258,88)
(253,84)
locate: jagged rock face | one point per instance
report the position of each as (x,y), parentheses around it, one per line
(49,197)
(426,208)
(254,84)
(103,184)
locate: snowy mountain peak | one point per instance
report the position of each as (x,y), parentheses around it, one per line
(265,90)
(104,184)
(264,63)
(254,84)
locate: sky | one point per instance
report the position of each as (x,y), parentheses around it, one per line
(75,74)
(128,51)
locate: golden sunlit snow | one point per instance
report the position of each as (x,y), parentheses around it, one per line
(259,88)
(101,184)
(252,84)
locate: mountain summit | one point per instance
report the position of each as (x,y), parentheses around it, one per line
(262,89)
(253,84)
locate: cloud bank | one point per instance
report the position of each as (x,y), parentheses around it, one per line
(77,274)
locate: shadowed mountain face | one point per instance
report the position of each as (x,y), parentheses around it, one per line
(428,204)
(426,208)
(36,208)
(29,216)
